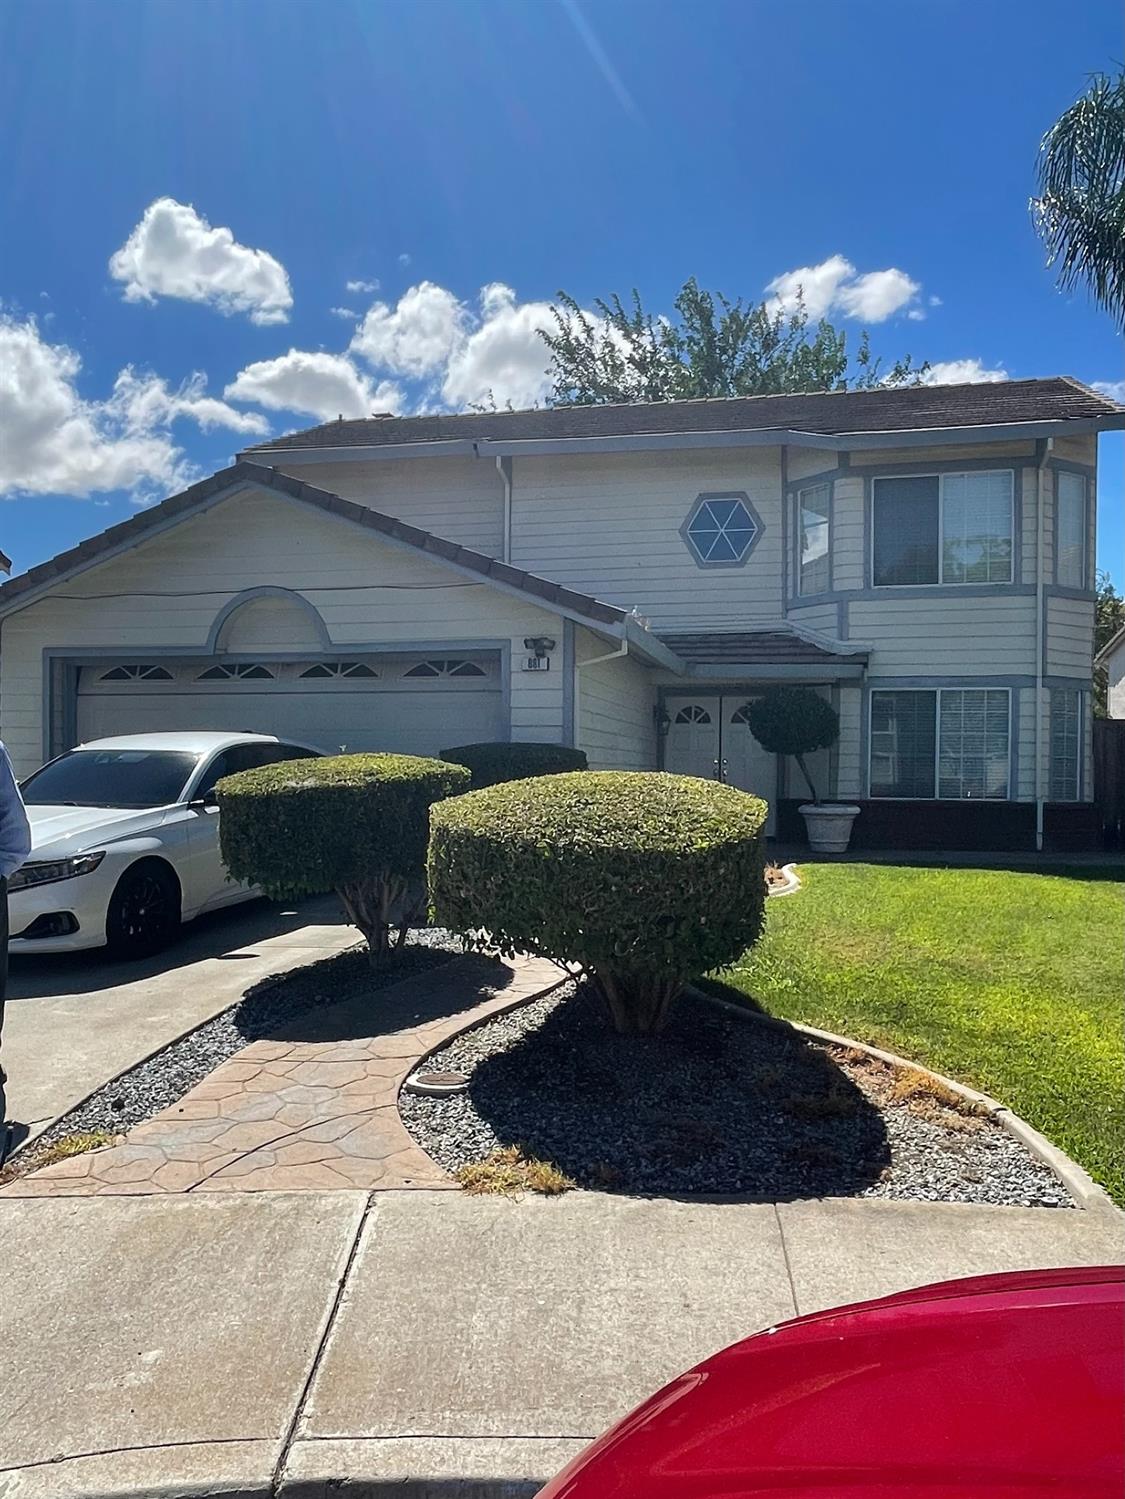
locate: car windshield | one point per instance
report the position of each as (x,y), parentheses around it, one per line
(111,778)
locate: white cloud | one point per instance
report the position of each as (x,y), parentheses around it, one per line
(145,403)
(314,383)
(57,443)
(404,259)
(835,286)
(174,252)
(416,337)
(503,358)
(360,288)
(347,313)
(1114,389)
(962,372)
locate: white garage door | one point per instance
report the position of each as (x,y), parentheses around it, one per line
(409,704)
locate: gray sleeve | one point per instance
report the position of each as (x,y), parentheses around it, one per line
(15,835)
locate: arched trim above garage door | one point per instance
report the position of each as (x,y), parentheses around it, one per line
(305,623)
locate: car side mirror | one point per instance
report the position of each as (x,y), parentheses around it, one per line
(208,802)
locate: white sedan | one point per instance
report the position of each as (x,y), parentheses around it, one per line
(125,840)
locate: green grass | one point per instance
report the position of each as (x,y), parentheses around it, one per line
(1010,982)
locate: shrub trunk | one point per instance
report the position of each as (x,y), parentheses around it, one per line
(638,1004)
(383,910)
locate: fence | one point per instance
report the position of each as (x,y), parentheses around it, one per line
(1109,778)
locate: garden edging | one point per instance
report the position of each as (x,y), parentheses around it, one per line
(1087,1194)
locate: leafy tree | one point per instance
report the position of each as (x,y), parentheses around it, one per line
(1080,210)
(1109,616)
(711,347)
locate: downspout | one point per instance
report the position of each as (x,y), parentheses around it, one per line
(1044,446)
(504,469)
(579,666)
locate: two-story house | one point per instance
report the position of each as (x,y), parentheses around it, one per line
(624,578)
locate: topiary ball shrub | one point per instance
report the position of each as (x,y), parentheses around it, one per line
(492,763)
(356,824)
(641,880)
(794,721)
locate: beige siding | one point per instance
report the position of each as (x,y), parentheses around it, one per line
(820,617)
(849,768)
(885,457)
(1070,638)
(992,636)
(367,591)
(610,526)
(615,710)
(1081,449)
(1023,713)
(1115,670)
(459,498)
(801,462)
(847,532)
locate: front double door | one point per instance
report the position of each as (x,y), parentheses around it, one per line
(709,737)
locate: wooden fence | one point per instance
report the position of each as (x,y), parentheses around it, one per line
(1109,778)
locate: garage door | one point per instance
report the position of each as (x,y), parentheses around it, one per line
(409,704)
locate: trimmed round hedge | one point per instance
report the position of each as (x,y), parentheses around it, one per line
(357,824)
(492,763)
(644,879)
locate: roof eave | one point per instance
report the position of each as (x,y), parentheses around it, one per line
(639,442)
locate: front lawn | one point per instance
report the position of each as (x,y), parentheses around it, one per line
(1012,983)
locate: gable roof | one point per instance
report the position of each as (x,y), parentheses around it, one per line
(1116,640)
(824,414)
(182,506)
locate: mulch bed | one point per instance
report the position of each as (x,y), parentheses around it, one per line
(718,1105)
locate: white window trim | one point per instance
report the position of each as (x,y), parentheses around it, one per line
(942,582)
(798,532)
(937,691)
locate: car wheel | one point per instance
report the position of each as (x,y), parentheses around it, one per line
(144,913)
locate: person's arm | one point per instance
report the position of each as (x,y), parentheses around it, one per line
(15,834)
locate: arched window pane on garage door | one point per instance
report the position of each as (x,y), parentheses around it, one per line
(334,669)
(138,672)
(240,671)
(445,668)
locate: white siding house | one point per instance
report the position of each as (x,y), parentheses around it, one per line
(624,579)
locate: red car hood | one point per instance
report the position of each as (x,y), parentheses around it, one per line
(1000,1387)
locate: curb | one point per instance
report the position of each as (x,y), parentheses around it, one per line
(1084,1190)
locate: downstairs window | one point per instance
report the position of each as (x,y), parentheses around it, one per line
(950,743)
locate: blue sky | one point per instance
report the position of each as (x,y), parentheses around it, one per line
(189,189)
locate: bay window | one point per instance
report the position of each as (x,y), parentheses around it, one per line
(1070,564)
(950,743)
(813,562)
(1065,744)
(942,528)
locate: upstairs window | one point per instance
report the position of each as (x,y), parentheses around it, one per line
(942,528)
(721,530)
(446,669)
(1070,569)
(813,563)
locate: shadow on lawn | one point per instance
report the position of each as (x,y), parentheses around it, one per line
(716,1106)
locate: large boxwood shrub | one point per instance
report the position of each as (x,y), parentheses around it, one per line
(641,880)
(515,761)
(356,824)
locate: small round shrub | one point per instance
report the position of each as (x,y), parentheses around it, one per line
(794,721)
(492,763)
(356,824)
(641,879)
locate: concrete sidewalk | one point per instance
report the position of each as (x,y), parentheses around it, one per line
(73,1022)
(425,1343)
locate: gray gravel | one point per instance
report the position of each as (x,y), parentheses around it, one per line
(716,1105)
(165,1077)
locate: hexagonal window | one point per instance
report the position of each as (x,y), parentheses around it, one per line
(721,529)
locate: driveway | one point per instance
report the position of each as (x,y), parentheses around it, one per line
(74,1022)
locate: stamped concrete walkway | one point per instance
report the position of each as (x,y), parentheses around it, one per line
(314,1108)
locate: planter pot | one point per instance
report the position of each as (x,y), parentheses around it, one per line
(829,826)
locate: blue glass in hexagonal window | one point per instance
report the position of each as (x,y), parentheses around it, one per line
(722,531)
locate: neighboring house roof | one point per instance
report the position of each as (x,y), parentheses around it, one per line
(5,562)
(825,414)
(1112,645)
(180,507)
(758,647)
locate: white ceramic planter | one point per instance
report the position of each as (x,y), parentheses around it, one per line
(829,825)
